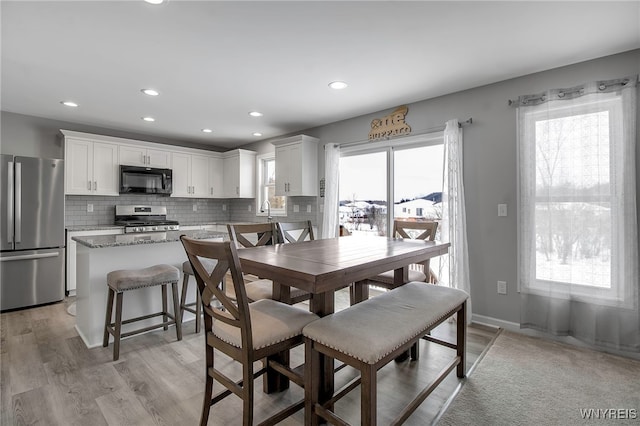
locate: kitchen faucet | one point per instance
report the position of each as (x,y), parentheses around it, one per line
(268,203)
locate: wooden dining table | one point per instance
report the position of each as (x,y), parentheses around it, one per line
(323,266)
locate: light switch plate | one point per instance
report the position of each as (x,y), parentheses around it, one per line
(224,207)
(249,207)
(89,208)
(308,208)
(195,207)
(296,208)
(502,287)
(502,209)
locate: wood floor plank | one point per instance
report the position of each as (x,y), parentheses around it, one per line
(121,407)
(49,376)
(26,369)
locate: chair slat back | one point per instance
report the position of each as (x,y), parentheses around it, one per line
(252,234)
(293,232)
(403,228)
(232,311)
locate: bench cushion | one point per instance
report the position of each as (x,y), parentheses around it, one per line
(271,322)
(128,279)
(371,330)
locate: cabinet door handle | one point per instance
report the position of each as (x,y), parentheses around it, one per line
(148,159)
(211,191)
(95,185)
(89,186)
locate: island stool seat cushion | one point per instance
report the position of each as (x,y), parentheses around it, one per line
(124,280)
(370,334)
(193,307)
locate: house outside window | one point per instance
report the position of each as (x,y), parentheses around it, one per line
(266,176)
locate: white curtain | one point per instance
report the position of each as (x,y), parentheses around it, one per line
(331,175)
(454,267)
(577,224)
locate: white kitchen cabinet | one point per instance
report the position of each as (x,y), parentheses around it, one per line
(216,178)
(132,155)
(297,166)
(190,175)
(71,253)
(239,167)
(91,168)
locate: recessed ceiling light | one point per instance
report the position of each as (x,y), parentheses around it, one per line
(148,119)
(150,92)
(154,1)
(255,114)
(69,104)
(257,134)
(207,130)
(338,85)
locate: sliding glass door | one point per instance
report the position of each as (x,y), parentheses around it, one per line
(409,172)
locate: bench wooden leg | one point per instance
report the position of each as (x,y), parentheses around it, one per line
(368,396)
(461,340)
(183,295)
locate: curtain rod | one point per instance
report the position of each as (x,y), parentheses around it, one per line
(426,132)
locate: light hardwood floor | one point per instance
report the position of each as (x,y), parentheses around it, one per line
(49,377)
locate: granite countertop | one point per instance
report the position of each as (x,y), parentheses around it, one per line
(75,228)
(103,241)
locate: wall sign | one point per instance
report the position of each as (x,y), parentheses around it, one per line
(390,125)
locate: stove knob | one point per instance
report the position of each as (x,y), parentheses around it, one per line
(155,228)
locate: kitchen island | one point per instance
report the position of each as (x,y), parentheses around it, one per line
(97,255)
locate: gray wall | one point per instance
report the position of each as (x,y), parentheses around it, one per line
(489,173)
(490,165)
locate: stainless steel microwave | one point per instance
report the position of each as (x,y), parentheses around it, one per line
(145,180)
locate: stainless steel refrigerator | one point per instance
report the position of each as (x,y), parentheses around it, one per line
(32,256)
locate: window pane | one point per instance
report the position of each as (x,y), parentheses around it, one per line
(573,205)
(363,193)
(418,183)
(270,172)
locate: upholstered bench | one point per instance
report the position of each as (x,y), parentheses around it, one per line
(131,279)
(370,334)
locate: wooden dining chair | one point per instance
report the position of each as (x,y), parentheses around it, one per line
(294,232)
(411,230)
(246,332)
(255,235)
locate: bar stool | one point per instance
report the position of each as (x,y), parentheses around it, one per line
(131,279)
(187,270)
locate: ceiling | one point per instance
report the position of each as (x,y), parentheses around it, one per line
(213,62)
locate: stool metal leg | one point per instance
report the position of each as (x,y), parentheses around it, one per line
(107,321)
(176,310)
(118,327)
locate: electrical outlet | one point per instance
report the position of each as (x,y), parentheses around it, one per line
(249,207)
(308,208)
(224,207)
(195,207)
(502,209)
(296,208)
(321,208)
(89,208)
(502,287)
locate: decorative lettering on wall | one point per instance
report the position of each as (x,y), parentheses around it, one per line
(390,125)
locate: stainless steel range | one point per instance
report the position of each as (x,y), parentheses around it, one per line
(139,219)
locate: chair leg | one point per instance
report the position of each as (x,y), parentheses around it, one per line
(183,295)
(164,306)
(118,327)
(107,321)
(461,340)
(176,310)
(198,310)
(247,393)
(208,387)
(311,379)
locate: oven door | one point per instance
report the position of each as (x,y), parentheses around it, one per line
(145,180)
